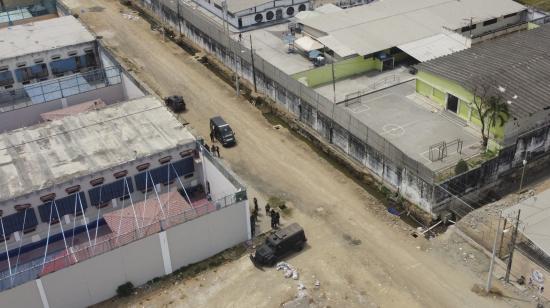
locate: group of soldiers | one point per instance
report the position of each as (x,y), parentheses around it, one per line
(214,149)
(275,216)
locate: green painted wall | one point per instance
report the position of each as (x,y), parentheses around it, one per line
(423,88)
(439,96)
(463,109)
(531,26)
(342,69)
(440,87)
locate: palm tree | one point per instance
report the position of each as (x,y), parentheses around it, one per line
(497,113)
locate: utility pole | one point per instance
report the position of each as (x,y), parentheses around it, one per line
(512,246)
(179,15)
(523,170)
(253,69)
(229,46)
(491,267)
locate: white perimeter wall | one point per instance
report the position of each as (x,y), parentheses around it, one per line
(96,279)
(220,186)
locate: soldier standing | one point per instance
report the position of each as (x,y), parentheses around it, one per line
(267,208)
(255,204)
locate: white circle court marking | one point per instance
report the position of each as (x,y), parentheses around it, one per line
(394,130)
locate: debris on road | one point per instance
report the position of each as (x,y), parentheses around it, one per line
(288,269)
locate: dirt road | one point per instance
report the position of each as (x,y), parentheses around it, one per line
(361,255)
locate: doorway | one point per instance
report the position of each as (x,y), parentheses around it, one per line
(387,64)
(279,14)
(452,103)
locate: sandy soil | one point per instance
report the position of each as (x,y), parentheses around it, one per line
(362,256)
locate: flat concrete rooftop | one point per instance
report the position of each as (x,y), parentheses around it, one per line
(40,156)
(411,125)
(268,43)
(42,36)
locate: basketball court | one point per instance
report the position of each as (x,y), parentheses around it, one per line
(420,132)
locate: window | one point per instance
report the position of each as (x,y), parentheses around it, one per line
(72,53)
(143,167)
(269,15)
(302,7)
(48,197)
(97,181)
(72,189)
(62,66)
(6,78)
(165,159)
(468,28)
(21,64)
(88,50)
(38,60)
(258,18)
(21,207)
(510,15)
(490,22)
(290,11)
(120,174)
(56,57)
(28,73)
(186,153)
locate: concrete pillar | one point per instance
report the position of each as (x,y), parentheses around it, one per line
(42,293)
(165,250)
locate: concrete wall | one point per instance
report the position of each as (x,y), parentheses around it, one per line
(248,16)
(342,69)
(203,237)
(96,279)
(30,115)
(25,295)
(220,186)
(131,90)
(437,89)
(46,56)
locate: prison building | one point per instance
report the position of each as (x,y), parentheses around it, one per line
(15,12)
(122,193)
(515,68)
(385,32)
(34,52)
(53,68)
(242,14)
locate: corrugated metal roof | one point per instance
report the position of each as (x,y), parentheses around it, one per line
(433,47)
(519,62)
(388,23)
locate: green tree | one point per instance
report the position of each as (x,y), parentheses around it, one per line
(461,167)
(490,107)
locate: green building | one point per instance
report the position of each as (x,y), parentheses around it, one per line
(515,68)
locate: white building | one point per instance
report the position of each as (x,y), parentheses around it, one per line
(125,188)
(246,13)
(38,51)
(423,29)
